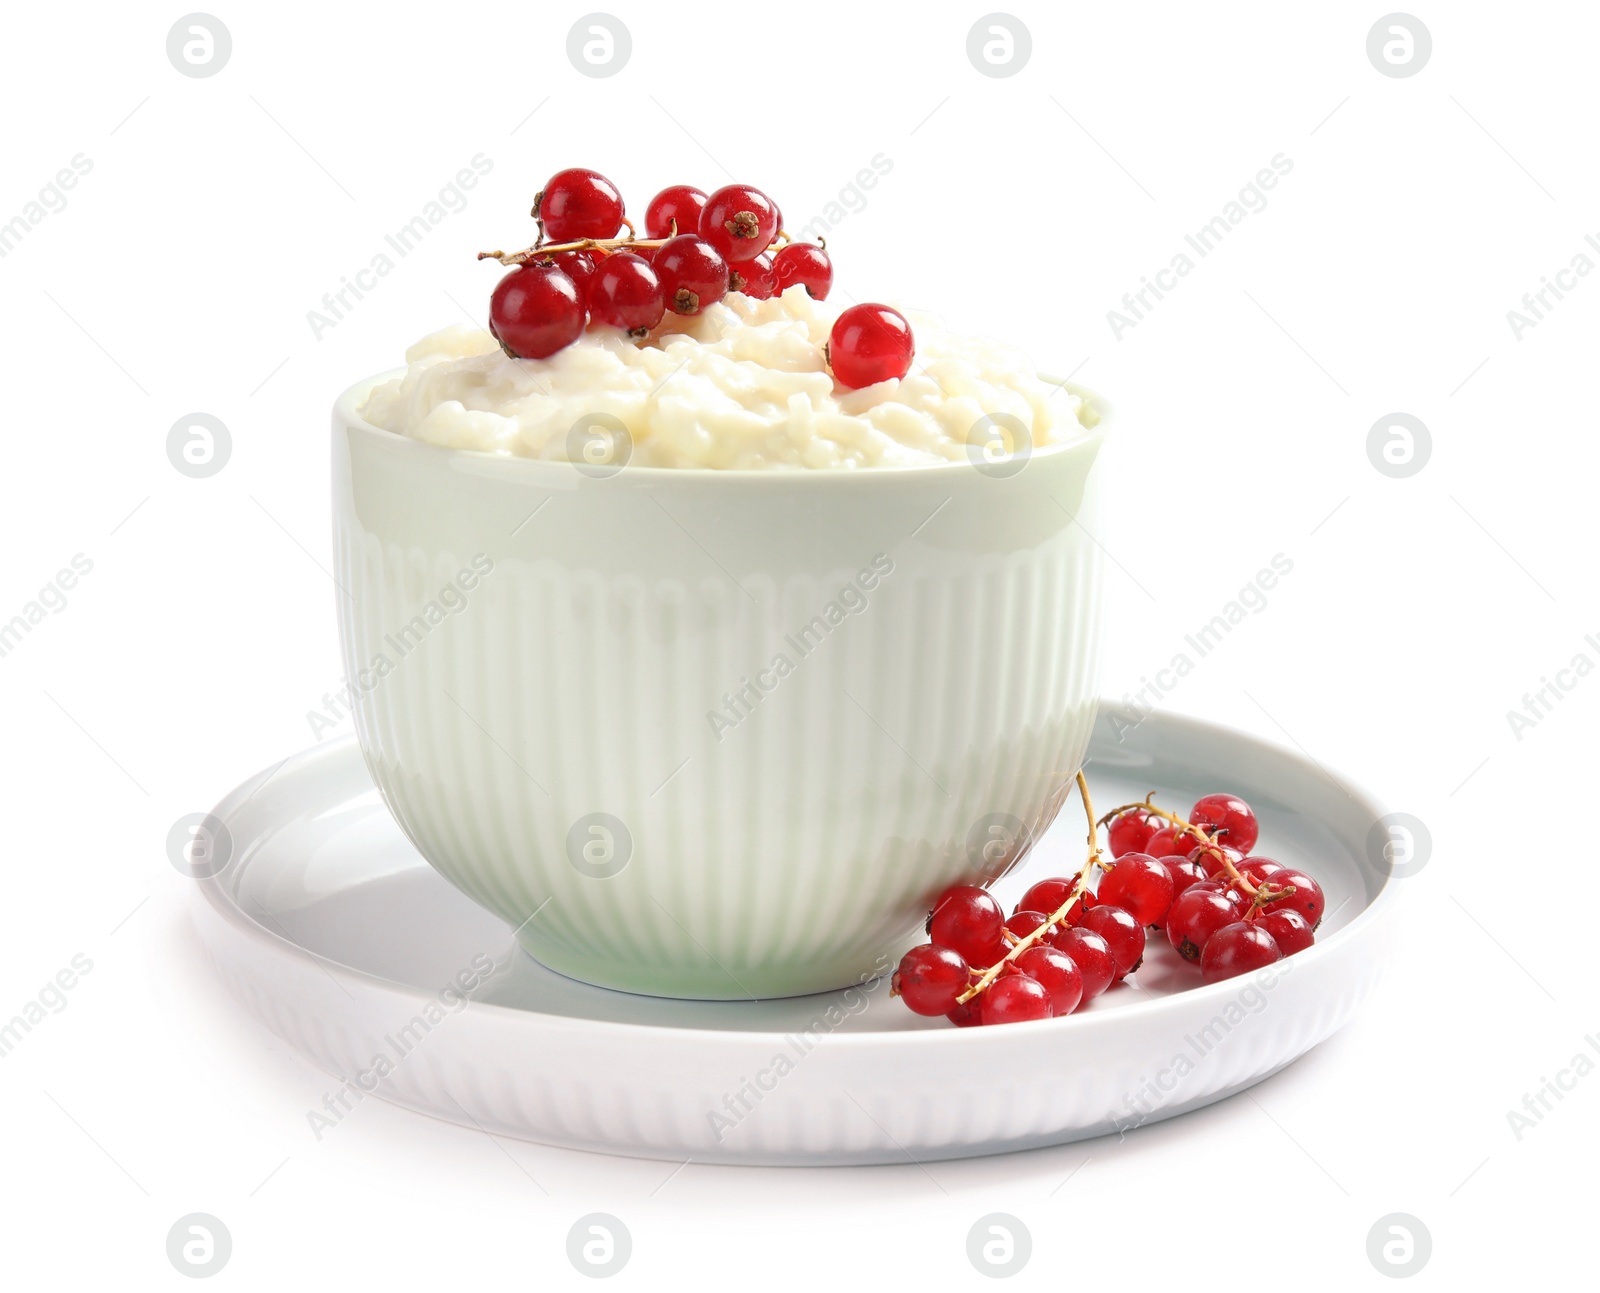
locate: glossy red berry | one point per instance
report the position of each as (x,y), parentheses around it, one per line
(1049,895)
(535,311)
(869,344)
(1184,873)
(753,277)
(1259,868)
(1129,832)
(692,272)
(1306,899)
(626,294)
(1230,815)
(930,978)
(674,210)
(1213,858)
(806,264)
(739,222)
(1289,929)
(1236,949)
(579,266)
(1168,840)
(969,1014)
(1092,955)
(1140,885)
(1014,999)
(578,203)
(1023,923)
(968,920)
(1123,934)
(1057,973)
(1196,915)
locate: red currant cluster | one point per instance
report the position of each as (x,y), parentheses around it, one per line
(696,249)
(1222,908)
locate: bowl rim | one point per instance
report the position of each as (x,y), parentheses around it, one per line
(346,413)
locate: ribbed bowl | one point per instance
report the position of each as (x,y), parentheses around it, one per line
(715,734)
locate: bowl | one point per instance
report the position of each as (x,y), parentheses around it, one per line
(716,734)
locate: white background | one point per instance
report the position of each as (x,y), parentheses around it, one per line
(1419,611)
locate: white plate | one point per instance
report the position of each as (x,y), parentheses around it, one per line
(331,929)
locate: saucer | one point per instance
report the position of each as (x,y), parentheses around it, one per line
(329,927)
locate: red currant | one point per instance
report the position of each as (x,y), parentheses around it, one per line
(1195,916)
(1092,955)
(1184,873)
(1230,815)
(1306,899)
(1289,929)
(693,274)
(869,344)
(1236,949)
(739,222)
(1211,857)
(930,978)
(753,277)
(535,311)
(968,920)
(1129,832)
(578,203)
(579,266)
(1169,840)
(1014,999)
(969,1014)
(1123,934)
(804,263)
(1048,896)
(1259,868)
(1023,923)
(1140,885)
(626,294)
(1058,974)
(674,210)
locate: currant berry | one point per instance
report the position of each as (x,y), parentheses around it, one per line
(579,266)
(1168,840)
(1129,832)
(1237,949)
(1195,916)
(1306,899)
(674,210)
(1230,815)
(1048,896)
(869,344)
(1123,934)
(1140,885)
(1211,857)
(1289,929)
(969,1014)
(578,203)
(625,293)
(1014,999)
(739,222)
(968,920)
(692,272)
(1259,868)
(753,277)
(1057,973)
(804,263)
(535,311)
(1023,923)
(1184,873)
(1091,953)
(930,978)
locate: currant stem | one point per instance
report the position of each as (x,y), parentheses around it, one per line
(582,244)
(1078,890)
